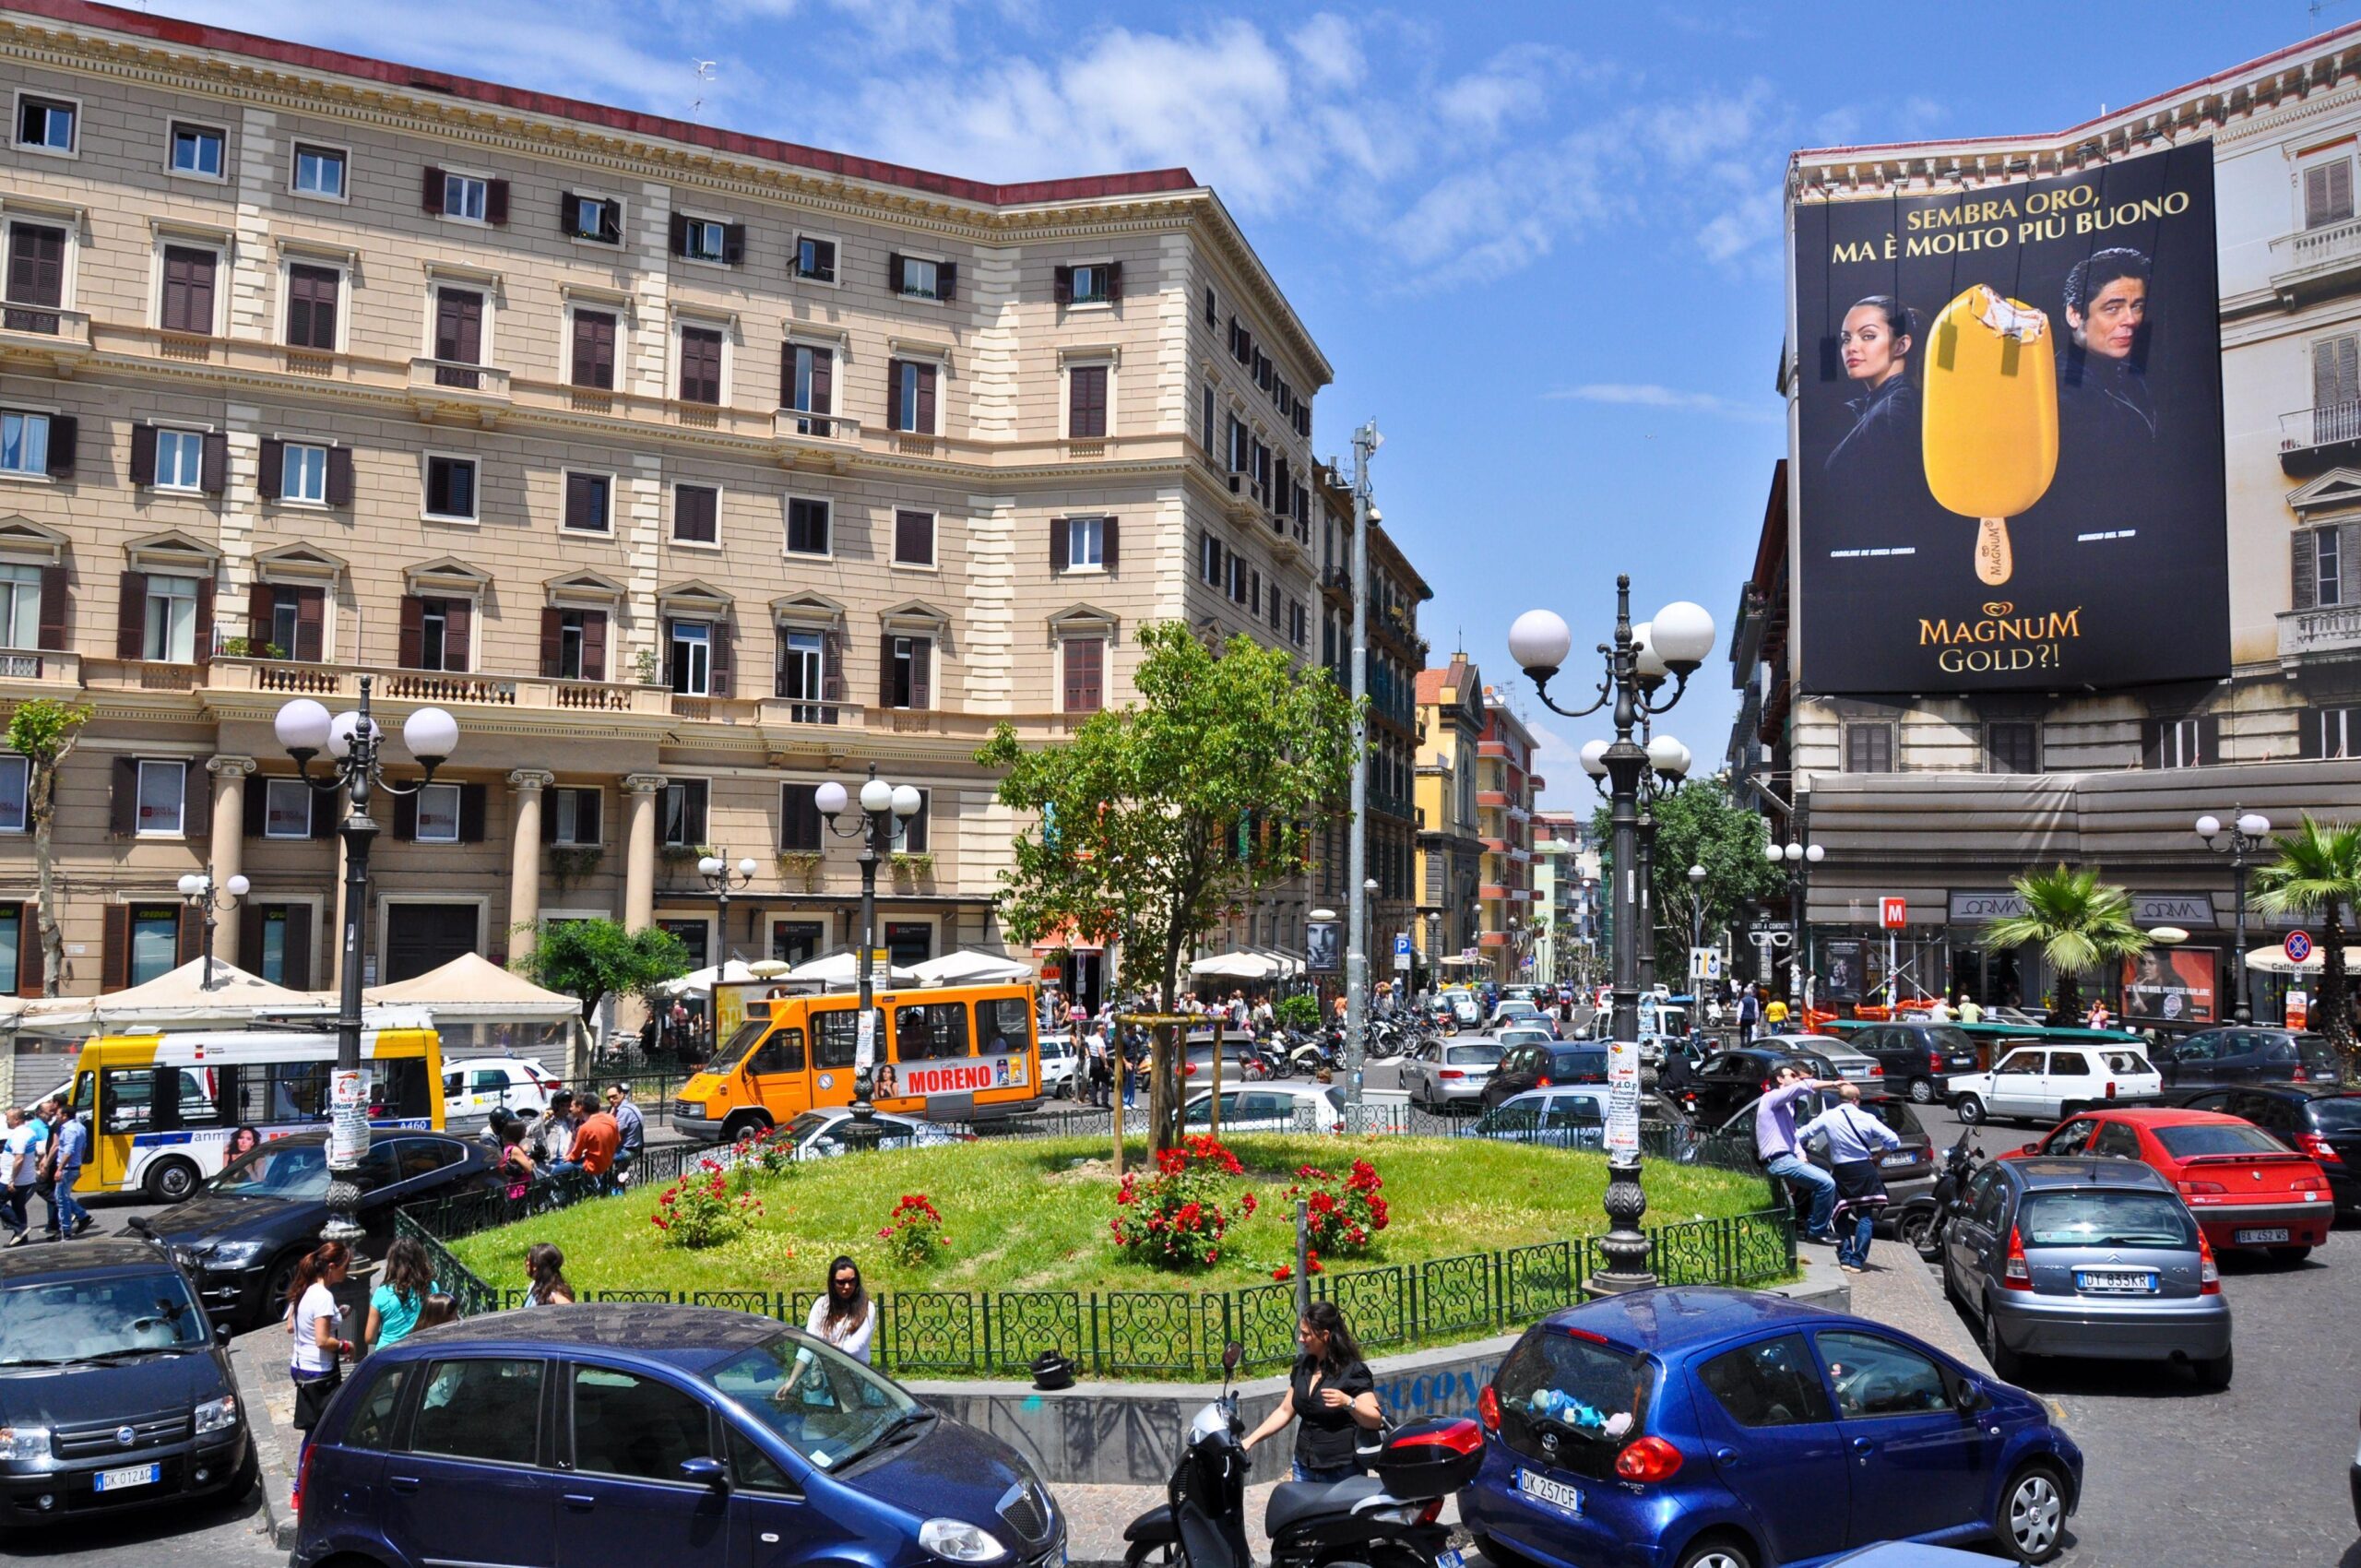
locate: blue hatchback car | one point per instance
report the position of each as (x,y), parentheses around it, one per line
(669,1437)
(1725,1429)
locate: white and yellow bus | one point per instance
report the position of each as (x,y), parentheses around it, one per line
(164,1107)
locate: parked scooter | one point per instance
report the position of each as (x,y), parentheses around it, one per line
(1920,1221)
(1387,1520)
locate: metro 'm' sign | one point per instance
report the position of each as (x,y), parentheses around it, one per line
(1893,914)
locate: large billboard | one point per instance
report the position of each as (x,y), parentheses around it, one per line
(2008,470)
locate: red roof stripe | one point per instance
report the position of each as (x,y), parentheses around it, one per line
(196,35)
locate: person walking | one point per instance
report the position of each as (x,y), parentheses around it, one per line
(1750,1013)
(1331,1392)
(545,1267)
(19,1157)
(1781,1151)
(315,1355)
(845,1317)
(630,1126)
(401,1296)
(1856,1139)
(1970,1010)
(69,1149)
(1096,1063)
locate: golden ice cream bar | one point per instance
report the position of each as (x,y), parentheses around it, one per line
(1990,438)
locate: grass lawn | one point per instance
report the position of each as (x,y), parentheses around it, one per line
(1032,1215)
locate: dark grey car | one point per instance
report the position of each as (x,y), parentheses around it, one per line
(2086,1257)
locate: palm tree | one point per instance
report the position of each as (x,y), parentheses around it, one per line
(2318,874)
(2079,922)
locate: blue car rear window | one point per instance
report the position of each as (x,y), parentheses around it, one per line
(1591,1390)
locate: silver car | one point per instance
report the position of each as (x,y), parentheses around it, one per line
(2086,1257)
(1449,1075)
(1857,1065)
(1563,1118)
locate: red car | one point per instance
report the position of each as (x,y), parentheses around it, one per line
(2246,1189)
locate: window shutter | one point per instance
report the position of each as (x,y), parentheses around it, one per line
(188,938)
(718,669)
(471,813)
(257,803)
(799,817)
(947,281)
(203,637)
(114,948)
(886,671)
(131,616)
(832,666)
(406,817)
(1058,545)
(324,813)
(2151,743)
(733,244)
(412,649)
(1114,281)
(921,662)
(456,615)
(552,640)
(667,646)
(53,609)
(893,395)
(29,953)
(495,201)
(611,222)
(567,205)
(1063,289)
(430,197)
(197,800)
(549,817)
(262,606)
(122,797)
(63,429)
(786,375)
(680,233)
(2308,724)
(274,469)
(213,473)
(339,476)
(143,453)
(593,646)
(2209,741)
(1109,552)
(894,272)
(926,399)
(298,951)
(311,617)
(2303,584)
(823,389)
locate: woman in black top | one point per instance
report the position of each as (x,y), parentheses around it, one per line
(1332,1391)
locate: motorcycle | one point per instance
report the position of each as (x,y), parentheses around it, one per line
(1921,1220)
(1387,1520)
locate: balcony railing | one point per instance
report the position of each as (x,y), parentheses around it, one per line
(2322,427)
(2315,261)
(481,383)
(2336,629)
(43,327)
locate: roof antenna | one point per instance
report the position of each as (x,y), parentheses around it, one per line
(705,69)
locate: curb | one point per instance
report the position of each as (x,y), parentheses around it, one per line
(254,1368)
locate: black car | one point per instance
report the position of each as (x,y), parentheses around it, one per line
(241,1235)
(1539,1064)
(1732,1079)
(114,1393)
(2321,1120)
(1916,1056)
(1906,1171)
(2213,1059)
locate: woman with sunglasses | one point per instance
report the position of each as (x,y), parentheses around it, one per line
(845,1317)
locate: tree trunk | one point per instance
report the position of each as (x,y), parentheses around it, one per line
(2336,1000)
(43,808)
(2069,995)
(1164,1056)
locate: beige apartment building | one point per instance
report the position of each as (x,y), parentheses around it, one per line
(687,470)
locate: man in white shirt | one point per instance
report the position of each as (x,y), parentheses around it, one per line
(19,1149)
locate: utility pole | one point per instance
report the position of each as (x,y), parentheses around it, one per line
(1366,441)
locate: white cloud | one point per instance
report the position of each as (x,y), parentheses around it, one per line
(1648,395)
(1331,51)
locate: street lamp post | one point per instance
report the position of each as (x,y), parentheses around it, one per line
(1797,857)
(1539,641)
(199,892)
(885,817)
(1357,1047)
(1696,914)
(352,741)
(2250,831)
(722,879)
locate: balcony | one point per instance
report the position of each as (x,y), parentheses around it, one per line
(2314,263)
(450,389)
(21,666)
(2312,441)
(61,337)
(2308,633)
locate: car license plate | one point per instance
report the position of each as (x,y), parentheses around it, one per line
(130,1475)
(1449,1560)
(1556,1493)
(2261,1238)
(2116,1281)
(1890,1161)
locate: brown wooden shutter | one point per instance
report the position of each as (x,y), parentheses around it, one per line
(202,649)
(412,647)
(921,673)
(213,470)
(457,616)
(947,281)
(611,222)
(1062,289)
(430,195)
(680,233)
(114,947)
(54,601)
(787,375)
(733,244)
(406,817)
(926,399)
(894,272)
(553,640)
(64,432)
(458,326)
(311,619)
(549,817)
(832,666)
(567,206)
(1114,281)
(187,304)
(1057,544)
(28,949)
(36,266)
(799,817)
(824,381)
(720,676)
(472,810)
(197,800)
(143,453)
(495,201)
(593,646)
(1110,550)
(122,797)
(594,349)
(339,476)
(262,608)
(131,616)
(886,671)
(274,467)
(893,397)
(256,815)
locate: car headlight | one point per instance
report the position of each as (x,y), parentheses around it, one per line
(217,1415)
(32,1443)
(959,1541)
(233,1254)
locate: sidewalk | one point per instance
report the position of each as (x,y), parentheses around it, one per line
(1899,1288)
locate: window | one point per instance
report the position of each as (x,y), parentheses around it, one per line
(910,396)
(1205,408)
(311,306)
(14,784)
(319,171)
(799,820)
(696,513)
(2115,1141)
(574,646)
(438,813)
(169,633)
(1874,1376)
(1772,1384)
(1868,748)
(441,627)
(46,123)
(835,1037)
(1085,544)
(458,337)
(2180,742)
(905,671)
(1213,308)
(700,366)
(918,278)
(809,386)
(574,816)
(371,1427)
(589,502)
(933,1031)
(2013,745)
(913,539)
(304,474)
(807,526)
(155,934)
(684,810)
(2328,194)
(797,942)
(691,658)
(484,1409)
(466,196)
(633,1426)
(1209,560)
(702,239)
(918,829)
(909,941)
(2325,732)
(815,260)
(592,218)
(36,276)
(1086,401)
(2328,574)
(163,798)
(180,459)
(594,349)
(1086,664)
(803,675)
(24,443)
(451,488)
(198,149)
(286,808)
(1094,283)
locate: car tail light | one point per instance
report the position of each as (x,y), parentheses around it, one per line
(1935,1059)
(1876,1069)
(2318,1147)
(2015,1275)
(1488,1406)
(1650,1459)
(1451,1073)
(2208,1273)
(303,1478)
(2192,1188)
(1541,1083)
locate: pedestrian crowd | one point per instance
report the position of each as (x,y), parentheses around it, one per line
(41,1155)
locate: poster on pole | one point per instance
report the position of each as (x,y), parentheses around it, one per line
(348,1116)
(1622,1100)
(1322,947)
(2009,438)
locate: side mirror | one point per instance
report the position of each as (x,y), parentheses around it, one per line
(221,1334)
(1971,1398)
(2030,1148)
(1231,1355)
(710,1472)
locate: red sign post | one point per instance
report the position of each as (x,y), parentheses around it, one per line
(1893,914)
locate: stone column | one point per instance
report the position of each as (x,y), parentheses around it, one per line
(228,846)
(639,867)
(525,860)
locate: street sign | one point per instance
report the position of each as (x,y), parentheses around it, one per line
(1401,949)
(2297,946)
(1893,914)
(1705,964)
(1773,925)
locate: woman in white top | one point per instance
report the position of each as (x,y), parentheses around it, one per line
(316,1356)
(845,1317)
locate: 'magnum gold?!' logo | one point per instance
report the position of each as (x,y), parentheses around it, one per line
(2000,641)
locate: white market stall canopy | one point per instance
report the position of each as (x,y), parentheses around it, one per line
(1246,964)
(841,971)
(471,986)
(177,999)
(697,984)
(967,966)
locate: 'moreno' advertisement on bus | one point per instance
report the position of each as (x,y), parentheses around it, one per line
(2008,463)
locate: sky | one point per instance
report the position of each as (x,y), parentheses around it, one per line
(1539,243)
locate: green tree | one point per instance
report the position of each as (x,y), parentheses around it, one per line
(2078,921)
(44,732)
(588,959)
(1699,826)
(1155,818)
(2318,874)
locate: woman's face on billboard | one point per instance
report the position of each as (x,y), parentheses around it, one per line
(1870,349)
(2113,322)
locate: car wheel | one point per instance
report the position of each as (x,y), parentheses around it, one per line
(742,1128)
(2031,1520)
(277,1283)
(1922,1091)
(2215,1374)
(171,1181)
(1970,1111)
(1720,1551)
(2007,1365)
(2288,1257)
(1917,1231)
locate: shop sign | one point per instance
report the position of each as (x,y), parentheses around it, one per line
(2172,908)
(1983,909)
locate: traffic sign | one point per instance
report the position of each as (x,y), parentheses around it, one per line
(1893,914)
(1705,964)
(2298,946)
(1401,949)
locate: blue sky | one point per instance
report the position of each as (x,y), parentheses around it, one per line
(1539,243)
